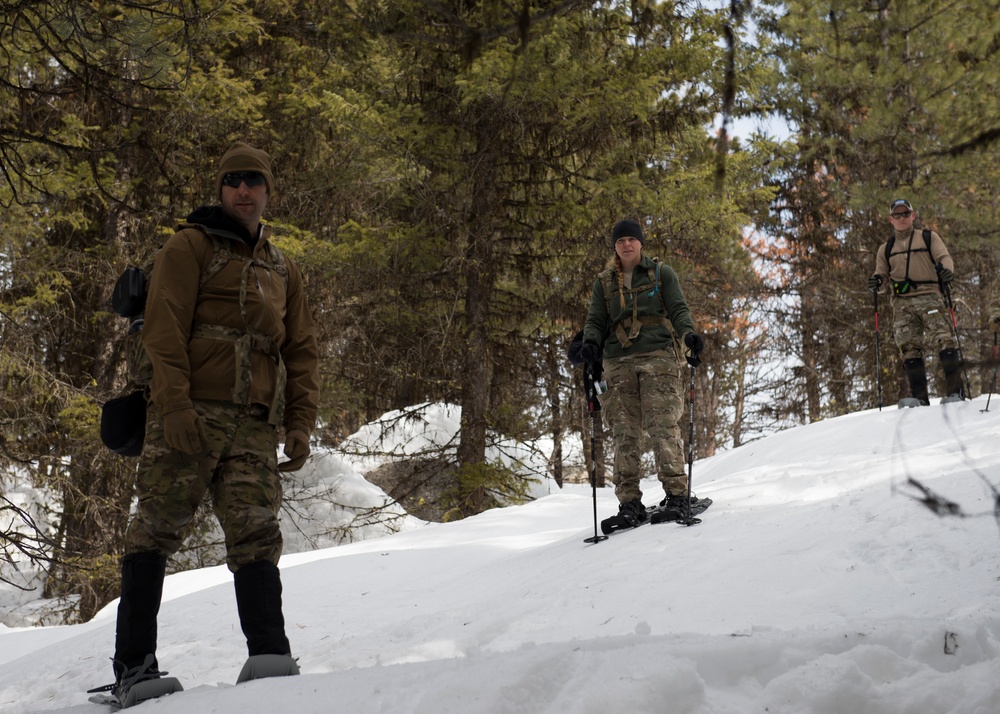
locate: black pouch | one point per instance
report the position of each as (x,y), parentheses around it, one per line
(129,296)
(123,423)
(902,288)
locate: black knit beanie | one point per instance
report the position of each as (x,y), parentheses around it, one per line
(627,228)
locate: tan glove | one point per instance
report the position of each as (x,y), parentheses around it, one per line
(296,449)
(182,430)
(995,323)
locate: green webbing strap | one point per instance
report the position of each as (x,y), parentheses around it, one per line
(635,324)
(245,343)
(244,279)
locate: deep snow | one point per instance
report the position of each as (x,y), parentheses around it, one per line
(813,585)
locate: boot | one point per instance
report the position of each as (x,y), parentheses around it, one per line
(952,368)
(633,512)
(917,376)
(258,600)
(135,634)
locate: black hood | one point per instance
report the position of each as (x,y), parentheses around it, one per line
(214,218)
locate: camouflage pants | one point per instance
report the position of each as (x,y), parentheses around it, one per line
(239,468)
(921,325)
(645,396)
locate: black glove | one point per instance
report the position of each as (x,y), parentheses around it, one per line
(874,283)
(694,343)
(590,352)
(944,275)
(574,349)
(695,346)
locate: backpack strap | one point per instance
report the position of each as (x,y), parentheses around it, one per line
(605,277)
(926,234)
(888,249)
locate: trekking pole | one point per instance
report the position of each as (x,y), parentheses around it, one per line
(958,342)
(688,519)
(993,382)
(592,406)
(878,362)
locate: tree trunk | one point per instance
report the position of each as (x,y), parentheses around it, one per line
(556,426)
(739,398)
(479,282)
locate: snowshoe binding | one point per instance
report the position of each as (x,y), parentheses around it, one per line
(630,515)
(136,685)
(674,508)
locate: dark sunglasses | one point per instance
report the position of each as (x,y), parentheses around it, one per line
(250,178)
(901,214)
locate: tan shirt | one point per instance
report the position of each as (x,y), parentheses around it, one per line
(922,272)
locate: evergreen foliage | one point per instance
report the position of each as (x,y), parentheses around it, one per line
(482,486)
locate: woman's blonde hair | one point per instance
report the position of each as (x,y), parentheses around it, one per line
(616,263)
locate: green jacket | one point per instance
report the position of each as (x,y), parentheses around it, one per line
(644,302)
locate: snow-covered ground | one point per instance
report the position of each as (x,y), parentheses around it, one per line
(813,585)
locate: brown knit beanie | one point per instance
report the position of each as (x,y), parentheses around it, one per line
(243,157)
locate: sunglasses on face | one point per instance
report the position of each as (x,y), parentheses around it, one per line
(250,178)
(901,214)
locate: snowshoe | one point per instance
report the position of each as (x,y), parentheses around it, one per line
(267,665)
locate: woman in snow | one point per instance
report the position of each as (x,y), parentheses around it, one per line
(639,315)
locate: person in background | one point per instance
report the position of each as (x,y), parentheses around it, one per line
(913,266)
(639,314)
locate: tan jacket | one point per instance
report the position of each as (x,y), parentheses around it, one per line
(187,367)
(922,272)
